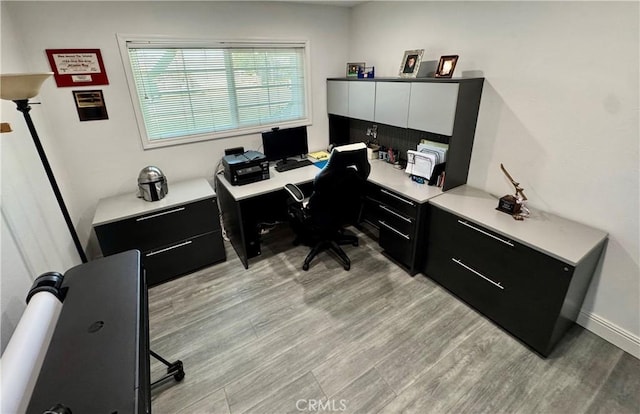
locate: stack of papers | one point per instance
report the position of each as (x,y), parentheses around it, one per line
(439,151)
(420,164)
(428,161)
(319,155)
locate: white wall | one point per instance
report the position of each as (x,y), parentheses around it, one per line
(33,235)
(559,109)
(560,104)
(103,158)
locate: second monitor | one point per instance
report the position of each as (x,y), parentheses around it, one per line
(281,144)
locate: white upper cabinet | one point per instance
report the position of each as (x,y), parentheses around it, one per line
(353,99)
(362,97)
(392,103)
(432,107)
(338,97)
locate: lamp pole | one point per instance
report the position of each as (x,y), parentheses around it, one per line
(23,106)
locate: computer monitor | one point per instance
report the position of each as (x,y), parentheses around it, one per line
(280,144)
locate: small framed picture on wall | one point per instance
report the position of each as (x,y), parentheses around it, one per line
(90,105)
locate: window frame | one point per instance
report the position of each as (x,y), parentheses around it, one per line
(171,41)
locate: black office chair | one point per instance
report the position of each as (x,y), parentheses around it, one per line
(336,201)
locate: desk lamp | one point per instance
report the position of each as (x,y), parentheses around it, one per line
(19,88)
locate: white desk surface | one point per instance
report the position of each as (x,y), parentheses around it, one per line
(276,181)
(123,206)
(382,173)
(558,237)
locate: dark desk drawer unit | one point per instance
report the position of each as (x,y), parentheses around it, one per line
(166,262)
(173,241)
(399,221)
(159,228)
(530,294)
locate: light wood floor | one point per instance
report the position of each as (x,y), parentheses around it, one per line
(275,339)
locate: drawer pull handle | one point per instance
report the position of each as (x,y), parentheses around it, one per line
(175,210)
(394,230)
(387,209)
(395,196)
(507,242)
(166,249)
(497,284)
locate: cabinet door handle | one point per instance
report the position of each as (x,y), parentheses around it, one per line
(166,249)
(497,284)
(396,196)
(394,230)
(387,209)
(175,210)
(507,242)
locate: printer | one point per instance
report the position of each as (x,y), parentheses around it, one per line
(246,167)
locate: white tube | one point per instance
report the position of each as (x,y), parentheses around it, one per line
(22,359)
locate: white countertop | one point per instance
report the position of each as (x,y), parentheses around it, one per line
(558,237)
(385,175)
(382,173)
(276,181)
(123,206)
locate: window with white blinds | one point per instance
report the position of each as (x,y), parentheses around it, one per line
(192,91)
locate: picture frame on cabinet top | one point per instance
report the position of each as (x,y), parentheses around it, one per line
(446,66)
(354,68)
(410,64)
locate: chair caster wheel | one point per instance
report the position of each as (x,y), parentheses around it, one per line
(305,267)
(179,376)
(347,267)
(355,244)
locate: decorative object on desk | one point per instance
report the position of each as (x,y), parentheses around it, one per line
(513,204)
(411,63)
(152,184)
(417,179)
(90,105)
(367,72)
(353,69)
(373,148)
(446,66)
(19,88)
(77,67)
(388,154)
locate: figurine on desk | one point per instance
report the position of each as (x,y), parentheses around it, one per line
(514,204)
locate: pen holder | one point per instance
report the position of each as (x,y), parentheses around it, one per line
(367,72)
(373,152)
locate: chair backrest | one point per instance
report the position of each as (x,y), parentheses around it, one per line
(339,187)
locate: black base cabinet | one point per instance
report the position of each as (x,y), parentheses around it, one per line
(529,293)
(400,221)
(176,235)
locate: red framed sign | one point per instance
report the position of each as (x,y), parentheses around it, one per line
(77,67)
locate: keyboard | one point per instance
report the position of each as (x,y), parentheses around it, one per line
(292,165)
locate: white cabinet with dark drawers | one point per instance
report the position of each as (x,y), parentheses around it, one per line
(176,235)
(530,277)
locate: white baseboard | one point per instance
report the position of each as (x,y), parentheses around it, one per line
(610,332)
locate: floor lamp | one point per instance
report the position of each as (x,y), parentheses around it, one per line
(19,88)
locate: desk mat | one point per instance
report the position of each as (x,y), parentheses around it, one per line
(321,164)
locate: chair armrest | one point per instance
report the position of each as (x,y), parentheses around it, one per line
(295,192)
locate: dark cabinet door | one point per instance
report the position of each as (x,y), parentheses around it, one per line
(159,228)
(167,262)
(521,289)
